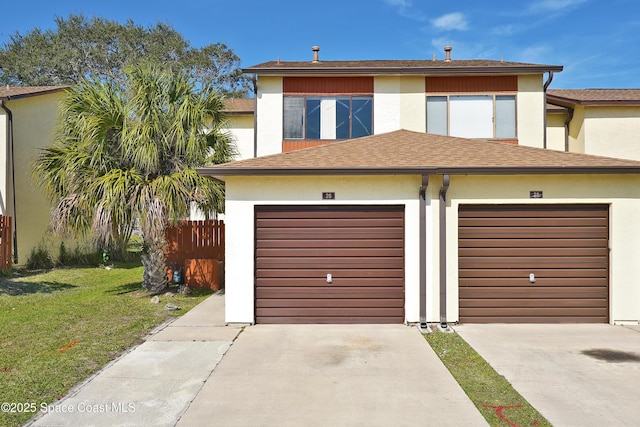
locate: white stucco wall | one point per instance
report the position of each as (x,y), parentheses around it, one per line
(620,192)
(612,131)
(241,127)
(399,103)
(269,112)
(555,131)
(530,112)
(34,120)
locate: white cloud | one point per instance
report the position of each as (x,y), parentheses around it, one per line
(405,9)
(554,5)
(451,21)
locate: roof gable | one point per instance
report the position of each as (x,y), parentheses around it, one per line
(407,152)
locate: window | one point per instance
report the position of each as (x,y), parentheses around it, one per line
(327,117)
(472,116)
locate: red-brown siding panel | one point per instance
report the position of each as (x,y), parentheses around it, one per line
(471,84)
(564,246)
(327,85)
(362,247)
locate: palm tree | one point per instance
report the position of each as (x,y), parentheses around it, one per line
(125,155)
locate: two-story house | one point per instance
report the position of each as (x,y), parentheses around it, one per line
(421,191)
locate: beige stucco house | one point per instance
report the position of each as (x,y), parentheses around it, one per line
(27,121)
(423,191)
(414,227)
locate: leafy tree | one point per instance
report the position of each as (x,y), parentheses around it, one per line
(80,47)
(125,154)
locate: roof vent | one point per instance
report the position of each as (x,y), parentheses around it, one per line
(315,50)
(447,51)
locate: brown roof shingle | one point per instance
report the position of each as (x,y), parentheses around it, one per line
(239,106)
(407,152)
(14,92)
(595,96)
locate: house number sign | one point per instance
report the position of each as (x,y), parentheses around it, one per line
(535,194)
(328,196)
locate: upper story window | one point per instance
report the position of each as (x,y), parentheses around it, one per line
(328,117)
(472,116)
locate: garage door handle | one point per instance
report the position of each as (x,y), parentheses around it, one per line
(532,278)
(329,278)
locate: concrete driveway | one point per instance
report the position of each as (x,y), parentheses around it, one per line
(198,372)
(331,375)
(575,375)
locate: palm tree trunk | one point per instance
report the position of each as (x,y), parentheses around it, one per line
(155,269)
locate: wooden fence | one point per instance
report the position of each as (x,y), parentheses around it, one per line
(5,242)
(196,248)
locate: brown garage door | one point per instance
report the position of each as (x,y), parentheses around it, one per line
(362,247)
(565,247)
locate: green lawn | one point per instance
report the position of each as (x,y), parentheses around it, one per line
(493,395)
(59,327)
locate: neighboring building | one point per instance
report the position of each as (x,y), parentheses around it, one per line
(27,120)
(604,122)
(240,114)
(425,194)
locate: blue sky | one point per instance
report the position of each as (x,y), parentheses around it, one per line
(597,41)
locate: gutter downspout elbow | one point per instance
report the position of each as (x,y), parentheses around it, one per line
(566,129)
(443,250)
(13,180)
(423,251)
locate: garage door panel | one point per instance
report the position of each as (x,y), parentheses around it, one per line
(332,303)
(329,263)
(533,243)
(329,292)
(535,222)
(524,272)
(320,233)
(337,282)
(545,303)
(346,223)
(530,211)
(564,246)
(534,262)
(342,318)
(339,273)
(329,311)
(536,233)
(335,252)
(332,243)
(535,319)
(537,252)
(362,247)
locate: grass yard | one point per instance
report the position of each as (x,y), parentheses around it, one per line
(499,403)
(60,326)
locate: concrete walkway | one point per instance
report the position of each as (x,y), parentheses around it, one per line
(575,375)
(270,375)
(154,383)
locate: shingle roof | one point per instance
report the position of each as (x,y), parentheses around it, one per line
(239,106)
(426,67)
(595,96)
(14,92)
(407,152)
